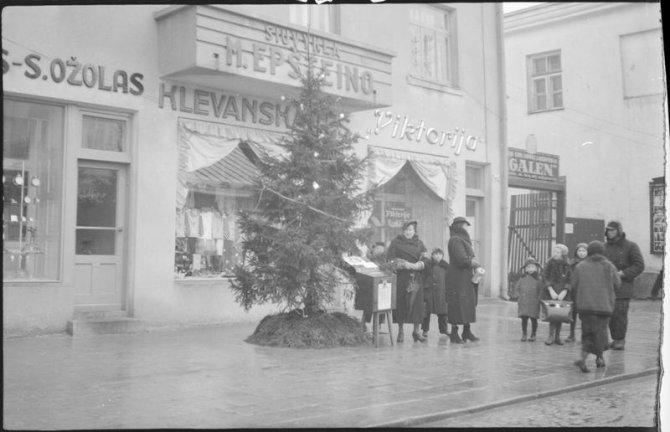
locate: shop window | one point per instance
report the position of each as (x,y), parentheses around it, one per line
(545,82)
(32,177)
(324,17)
(208,238)
(404,198)
(433,45)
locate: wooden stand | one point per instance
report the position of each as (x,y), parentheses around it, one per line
(375,326)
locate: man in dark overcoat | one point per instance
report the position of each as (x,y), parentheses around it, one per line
(628,260)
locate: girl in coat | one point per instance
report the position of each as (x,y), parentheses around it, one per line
(529,288)
(461,291)
(409,257)
(435,292)
(557,285)
(580,254)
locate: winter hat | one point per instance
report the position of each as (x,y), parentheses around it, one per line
(460,219)
(563,248)
(581,246)
(531,260)
(408,223)
(616,225)
(596,247)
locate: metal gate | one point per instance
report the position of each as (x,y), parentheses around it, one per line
(531,231)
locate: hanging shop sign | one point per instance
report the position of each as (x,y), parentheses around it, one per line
(657,212)
(401,127)
(205,43)
(534,166)
(74,72)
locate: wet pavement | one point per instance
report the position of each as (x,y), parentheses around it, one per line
(626,403)
(208,377)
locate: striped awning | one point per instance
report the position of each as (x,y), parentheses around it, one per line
(233,171)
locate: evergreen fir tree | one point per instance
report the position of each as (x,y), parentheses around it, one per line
(307,202)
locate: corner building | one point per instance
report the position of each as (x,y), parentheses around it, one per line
(585,83)
(130,148)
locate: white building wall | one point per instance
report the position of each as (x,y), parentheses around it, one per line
(610,147)
(131,43)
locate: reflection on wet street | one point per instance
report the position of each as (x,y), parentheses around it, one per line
(209,377)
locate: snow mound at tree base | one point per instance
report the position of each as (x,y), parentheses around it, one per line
(324,330)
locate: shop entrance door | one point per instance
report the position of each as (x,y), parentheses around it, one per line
(99,254)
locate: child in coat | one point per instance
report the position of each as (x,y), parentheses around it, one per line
(557,282)
(580,254)
(528,288)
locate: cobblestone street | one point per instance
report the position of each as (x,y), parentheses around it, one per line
(626,403)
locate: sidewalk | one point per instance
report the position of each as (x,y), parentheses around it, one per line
(210,378)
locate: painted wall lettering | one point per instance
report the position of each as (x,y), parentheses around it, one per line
(403,128)
(241,109)
(75,73)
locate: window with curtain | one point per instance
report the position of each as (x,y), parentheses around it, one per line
(32,177)
(433,45)
(545,82)
(324,17)
(404,198)
(215,181)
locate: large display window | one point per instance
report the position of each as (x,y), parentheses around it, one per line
(32,177)
(216,174)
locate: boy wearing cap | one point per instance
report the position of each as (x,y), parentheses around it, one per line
(628,260)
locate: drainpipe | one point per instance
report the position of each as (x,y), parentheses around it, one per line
(504,180)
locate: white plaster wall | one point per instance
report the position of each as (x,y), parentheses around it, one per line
(131,44)
(609,178)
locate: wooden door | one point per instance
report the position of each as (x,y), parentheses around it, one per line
(99,254)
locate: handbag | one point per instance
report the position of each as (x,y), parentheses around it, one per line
(556,311)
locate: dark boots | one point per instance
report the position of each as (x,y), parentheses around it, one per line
(453,336)
(467,334)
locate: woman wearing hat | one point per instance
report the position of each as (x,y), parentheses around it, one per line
(461,291)
(409,256)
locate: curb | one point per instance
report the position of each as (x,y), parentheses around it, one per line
(414,421)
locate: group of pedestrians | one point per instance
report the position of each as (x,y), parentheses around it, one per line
(426,284)
(598,279)
(599,282)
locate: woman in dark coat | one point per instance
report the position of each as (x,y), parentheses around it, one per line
(408,255)
(596,280)
(435,291)
(461,291)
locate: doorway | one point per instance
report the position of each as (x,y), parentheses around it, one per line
(99,235)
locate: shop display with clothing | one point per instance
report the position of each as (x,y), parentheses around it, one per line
(215,182)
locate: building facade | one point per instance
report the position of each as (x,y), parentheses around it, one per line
(128,150)
(586,86)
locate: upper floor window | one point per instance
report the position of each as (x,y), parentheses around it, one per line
(545,82)
(433,45)
(324,17)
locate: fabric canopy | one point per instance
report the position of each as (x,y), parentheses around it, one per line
(438,173)
(203,144)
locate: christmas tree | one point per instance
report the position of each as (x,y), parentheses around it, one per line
(307,202)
